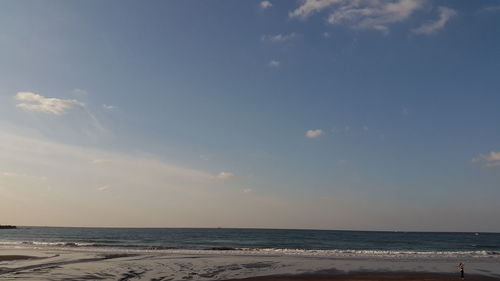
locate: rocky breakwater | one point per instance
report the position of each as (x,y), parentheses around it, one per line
(7,226)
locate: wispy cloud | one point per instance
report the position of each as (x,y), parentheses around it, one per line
(109,107)
(147,192)
(225,176)
(265,4)
(96,124)
(490,160)
(361,14)
(103,188)
(9,174)
(274,64)
(312,134)
(280,37)
(68,170)
(310,7)
(90,124)
(34,102)
(431,27)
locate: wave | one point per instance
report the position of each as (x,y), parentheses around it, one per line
(55,244)
(486,246)
(113,247)
(110,244)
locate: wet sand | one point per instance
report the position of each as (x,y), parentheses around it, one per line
(15,257)
(371,276)
(91,264)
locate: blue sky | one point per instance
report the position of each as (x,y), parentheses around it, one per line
(328,114)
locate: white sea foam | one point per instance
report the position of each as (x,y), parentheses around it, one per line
(92,247)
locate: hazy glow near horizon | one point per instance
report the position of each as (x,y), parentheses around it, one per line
(379,115)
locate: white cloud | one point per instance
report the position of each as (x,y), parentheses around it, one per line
(108,107)
(274,64)
(310,7)
(247,190)
(361,14)
(83,120)
(265,4)
(9,174)
(314,133)
(34,102)
(225,176)
(492,159)
(103,188)
(280,37)
(445,14)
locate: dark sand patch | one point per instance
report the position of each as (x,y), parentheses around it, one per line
(372,276)
(15,257)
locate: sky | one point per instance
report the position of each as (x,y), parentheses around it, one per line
(322,114)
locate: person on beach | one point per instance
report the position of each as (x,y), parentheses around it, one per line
(461,266)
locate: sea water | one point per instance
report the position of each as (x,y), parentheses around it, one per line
(256,241)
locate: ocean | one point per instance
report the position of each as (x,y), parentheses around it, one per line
(255,241)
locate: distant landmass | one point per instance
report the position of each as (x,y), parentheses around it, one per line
(7,226)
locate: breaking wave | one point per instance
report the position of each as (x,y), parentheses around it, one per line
(112,247)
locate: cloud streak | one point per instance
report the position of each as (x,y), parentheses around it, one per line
(129,190)
(75,174)
(361,14)
(225,176)
(280,37)
(309,7)
(109,107)
(431,27)
(489,160)
(34,102)
(103,188)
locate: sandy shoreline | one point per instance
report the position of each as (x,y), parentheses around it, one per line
(74,264)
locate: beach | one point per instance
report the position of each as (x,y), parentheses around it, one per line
(153,265)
